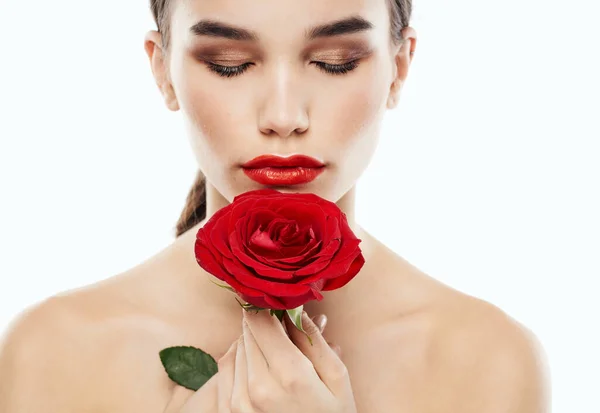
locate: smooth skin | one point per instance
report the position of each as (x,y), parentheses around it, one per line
(409,343)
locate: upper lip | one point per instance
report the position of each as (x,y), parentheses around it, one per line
(265,161)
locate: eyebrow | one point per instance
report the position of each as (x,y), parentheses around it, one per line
(215,28)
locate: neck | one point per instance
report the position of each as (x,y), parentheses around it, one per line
(213,296)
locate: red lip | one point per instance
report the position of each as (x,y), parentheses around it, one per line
(271,161)
(278,171)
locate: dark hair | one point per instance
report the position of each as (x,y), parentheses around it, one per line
(194,210)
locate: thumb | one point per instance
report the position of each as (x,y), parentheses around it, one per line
(328,365)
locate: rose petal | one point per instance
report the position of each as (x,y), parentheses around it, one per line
(213,265)
(257,193)
(332,230)
(270,258)
(269,261)
(339,282)
(218,236)
(243,289)
(327,252)
(288,232)
(306,215)
(306,197)
(317,285)
(251,223)
(256,220)
(347,248)
(265,301)
(315,267)
(280,274)
(209,263)
(300,238)
(317,293)
(338,268)
(279,227)
(300,258)
(294,250)
(238,213)
(292,254)
(223,213)
(333,270)
(216,216)
(261,240)
(245,277)
(257,266)
(295,302)
(203,243)
(243,218)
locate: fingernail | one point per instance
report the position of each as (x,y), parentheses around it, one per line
(321,321)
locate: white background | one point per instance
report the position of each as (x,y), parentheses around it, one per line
(490,162)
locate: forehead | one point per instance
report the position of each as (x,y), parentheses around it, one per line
(283,20)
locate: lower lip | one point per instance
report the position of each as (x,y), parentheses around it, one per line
(283,176)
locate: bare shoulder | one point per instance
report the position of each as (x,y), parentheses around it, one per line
(477,357)
(489,356)
(76,350)
(467,352)
(42,353)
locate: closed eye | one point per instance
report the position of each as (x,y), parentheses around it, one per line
(338,69)
(228,71)
(231,71)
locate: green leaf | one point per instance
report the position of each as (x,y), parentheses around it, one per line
(296,317)
(278,313)
(188,366)
(223,286)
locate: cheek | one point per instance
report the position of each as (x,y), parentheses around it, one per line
(355,115)
(361,107)
(208,108)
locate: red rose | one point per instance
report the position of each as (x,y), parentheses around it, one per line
(277,250)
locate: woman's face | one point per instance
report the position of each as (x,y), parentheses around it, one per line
(251,80)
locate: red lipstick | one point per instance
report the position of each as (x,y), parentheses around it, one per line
(278,171)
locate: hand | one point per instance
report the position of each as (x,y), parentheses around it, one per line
(265,372)
(208,397)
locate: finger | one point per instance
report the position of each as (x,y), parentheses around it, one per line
(258,368)
(326,362)
(320,321)
(225,375)
(279,352)
(202,401)
(240,402)
(260,380)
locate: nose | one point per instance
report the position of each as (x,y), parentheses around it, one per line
(283,111)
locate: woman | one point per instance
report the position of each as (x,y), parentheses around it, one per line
(274,78)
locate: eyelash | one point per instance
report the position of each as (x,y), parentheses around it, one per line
(231,71)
